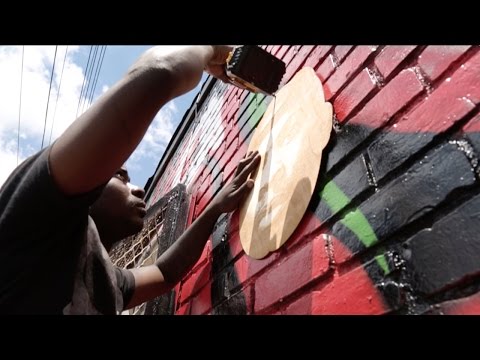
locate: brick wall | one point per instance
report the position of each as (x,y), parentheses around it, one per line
(393,223)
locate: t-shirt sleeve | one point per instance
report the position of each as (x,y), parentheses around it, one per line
(31,198)
(126,284)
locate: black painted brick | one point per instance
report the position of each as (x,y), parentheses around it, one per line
(449,251)
(412,195)
(352,180)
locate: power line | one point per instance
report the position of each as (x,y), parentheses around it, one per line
(84,78)
(101,63)
(89,77)
(97,73)
(20,104)
(48,99)
(58,93)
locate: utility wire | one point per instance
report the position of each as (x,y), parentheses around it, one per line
(89,79)
(83,84)
(48,99)
(95,74)
(20,105)
(58,93)
(102,55)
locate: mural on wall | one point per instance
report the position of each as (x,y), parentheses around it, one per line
(392,224)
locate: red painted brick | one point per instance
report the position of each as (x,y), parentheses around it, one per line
(435,59)
(473,125)
(202,303)
(228,178)
(353,62)
(307,225)
(341,51)
(206,184)
(389,100)
(191,210)
(296,63)
(232,135)
(233,163)
(298,269)
(184,310)
(466,306)
(233,234)
(351,293)
(302,306)
(353,94)
(247,292)
(219,151)
(204,256)
(282,51)
(243,95)
(228,94)
(448,103)
(202,203)
(325,69)
(316,55)
(234,243)
(231,113)
(228,107)
(279,312)
(230,151)
(391,57)
(275,49)
(197,177)
(247,267)
(195,282)
(340,252)
(207,195)
(291,53)
(217,183)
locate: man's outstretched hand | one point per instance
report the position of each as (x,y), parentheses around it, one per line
(229,198)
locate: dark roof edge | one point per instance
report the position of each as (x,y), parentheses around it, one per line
(178,135)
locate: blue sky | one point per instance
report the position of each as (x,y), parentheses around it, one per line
(37,70)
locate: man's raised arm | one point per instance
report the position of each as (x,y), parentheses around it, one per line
(101,140)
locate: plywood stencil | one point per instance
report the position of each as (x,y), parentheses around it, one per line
(290,138)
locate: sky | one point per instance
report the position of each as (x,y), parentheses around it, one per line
(30,104)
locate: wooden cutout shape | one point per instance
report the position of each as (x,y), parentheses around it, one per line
(290,138)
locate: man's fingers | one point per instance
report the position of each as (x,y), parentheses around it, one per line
(242,163)
(248,168)
(245,161)
(217,71)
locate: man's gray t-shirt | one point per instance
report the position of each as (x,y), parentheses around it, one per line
(51,257)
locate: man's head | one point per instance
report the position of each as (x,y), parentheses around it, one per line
(119,211)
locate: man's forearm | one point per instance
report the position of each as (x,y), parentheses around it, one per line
(185,252)
(102,139)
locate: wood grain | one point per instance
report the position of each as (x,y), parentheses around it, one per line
(290,138)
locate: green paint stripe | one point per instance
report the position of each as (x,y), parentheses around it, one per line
(334,196)
(355,221)
(359,225)
(382,262)
(256,109)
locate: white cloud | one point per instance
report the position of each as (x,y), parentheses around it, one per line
(156,139)
(38,61)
